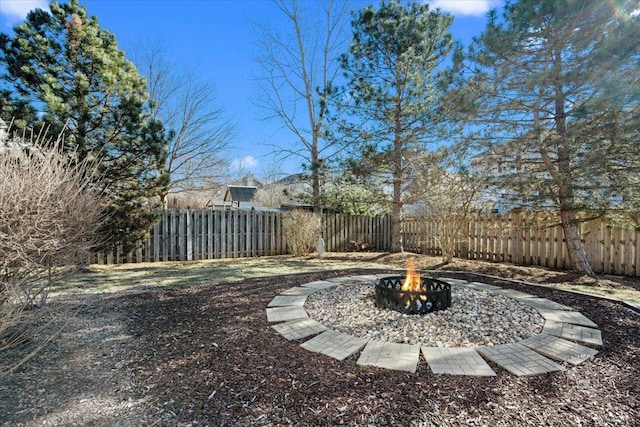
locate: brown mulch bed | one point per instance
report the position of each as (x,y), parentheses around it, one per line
(207,356)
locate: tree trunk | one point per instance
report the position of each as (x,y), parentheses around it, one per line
(575,249)
(396,208)
(396,221)
(315,175)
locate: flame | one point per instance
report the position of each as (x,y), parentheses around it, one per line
(412,279)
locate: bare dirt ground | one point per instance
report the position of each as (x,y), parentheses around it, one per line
(204,354)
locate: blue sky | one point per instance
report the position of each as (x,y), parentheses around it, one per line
(216,38)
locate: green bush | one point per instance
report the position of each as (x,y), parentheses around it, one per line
(301,231)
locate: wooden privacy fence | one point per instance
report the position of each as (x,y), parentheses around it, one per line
(527,239)
(518,238)
(185,235)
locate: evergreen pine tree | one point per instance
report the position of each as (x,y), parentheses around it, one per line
(556,84)
(72,69)
(396,79)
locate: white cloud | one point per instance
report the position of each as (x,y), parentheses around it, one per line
(244,163)
(14,11)
(465,7)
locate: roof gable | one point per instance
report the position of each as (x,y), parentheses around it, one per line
(240,193)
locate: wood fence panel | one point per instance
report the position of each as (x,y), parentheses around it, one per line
(545,244)
(588,236)
(554,245)
(482,238)
(189,236)
(470,240)
(333,229)
(526,239)
(535,244)
(209,235)
(343,232)
(482,231)
(617,249)
(464,249)
(607,249)
(156,238)
(629,252)
(248,235)
(202,234)
(491,238)
(599,241)
(195,240)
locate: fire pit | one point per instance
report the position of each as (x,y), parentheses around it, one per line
(412,294)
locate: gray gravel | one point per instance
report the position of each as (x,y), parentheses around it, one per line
(475,318)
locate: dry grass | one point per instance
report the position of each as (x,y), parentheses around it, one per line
(113,278)
(102,278)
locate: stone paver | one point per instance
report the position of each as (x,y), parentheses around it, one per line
(453,281)
(335,344)
(299,328)
(512,293)
(288,300)
(482,286)
(573,332)
(342,280)
(559,349)
(390,355)
(321,284)
(366,278)
(544,303)
(456,361)
(299,290)
(573,317)
(282,314)
(519,359)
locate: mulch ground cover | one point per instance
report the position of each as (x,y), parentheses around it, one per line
(206,355)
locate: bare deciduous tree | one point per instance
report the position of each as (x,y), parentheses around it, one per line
(449,192)
(199,131)
(299,65)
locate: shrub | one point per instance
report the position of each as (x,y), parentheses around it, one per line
(301,231)
(49,216)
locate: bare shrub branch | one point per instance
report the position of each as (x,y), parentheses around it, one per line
(50,213)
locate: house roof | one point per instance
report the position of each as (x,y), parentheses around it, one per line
(240,193)
(297,178)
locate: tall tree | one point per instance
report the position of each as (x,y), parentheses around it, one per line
(557,86)
(198,130)
(396,80)
(298,67)
(71,69)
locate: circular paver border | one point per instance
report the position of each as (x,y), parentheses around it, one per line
(562,338)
